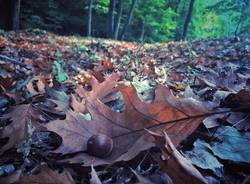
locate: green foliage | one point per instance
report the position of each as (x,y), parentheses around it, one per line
(153,20)
(101,6)
(58,68)
(219,18)
(158,20)
(212,27)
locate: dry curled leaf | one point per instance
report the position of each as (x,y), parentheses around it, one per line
(176,165)
(36,85)
(94,178)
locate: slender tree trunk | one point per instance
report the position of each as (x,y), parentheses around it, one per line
(142,31)
(129,18)
(176,7)
(177,19)
(118,19)
(238,25)
(110,22)
(90,6)
(188,19)
(242,14)
(16,15)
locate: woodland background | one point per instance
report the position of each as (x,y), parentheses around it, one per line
(133,20)
(171,112)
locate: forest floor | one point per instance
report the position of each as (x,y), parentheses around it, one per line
(77,110)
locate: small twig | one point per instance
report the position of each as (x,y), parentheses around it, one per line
(144,157)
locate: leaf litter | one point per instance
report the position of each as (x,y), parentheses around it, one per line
(165,107)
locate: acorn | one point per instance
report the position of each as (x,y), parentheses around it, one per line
(100,145)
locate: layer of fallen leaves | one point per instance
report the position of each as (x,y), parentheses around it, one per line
(57,92)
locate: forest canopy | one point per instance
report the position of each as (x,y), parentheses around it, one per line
(133,20)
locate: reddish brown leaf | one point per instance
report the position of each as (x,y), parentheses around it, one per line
(99,90)
(98,75)
(105,65)
(41,63)
(178,167)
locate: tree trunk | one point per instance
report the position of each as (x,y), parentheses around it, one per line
(90,6)
(130,16)
(188,19)
(16,15)
(5,14)
(142,31)
(176,7)
(242,15)
(110,22)
(118,19)
(178,30)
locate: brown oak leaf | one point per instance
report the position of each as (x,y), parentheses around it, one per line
(100,91)
(126,128)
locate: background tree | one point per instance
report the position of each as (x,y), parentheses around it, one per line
(129,18)
(188,19)
(154,20)
(5,14)
(16,14)
(110,22)
(90,6)
(118,19)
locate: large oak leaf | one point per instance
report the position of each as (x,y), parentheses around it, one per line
(127,128)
